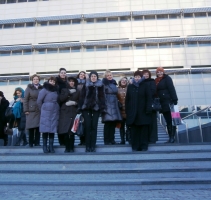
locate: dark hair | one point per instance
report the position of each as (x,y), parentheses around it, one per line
(52,78)
(1,94)
(35,75)
(62,69)
(80,73)
(146,71)
(18,89)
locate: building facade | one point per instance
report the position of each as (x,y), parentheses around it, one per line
(120,35)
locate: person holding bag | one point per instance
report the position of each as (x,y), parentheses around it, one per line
(167,94)
(68,99)
(49,108)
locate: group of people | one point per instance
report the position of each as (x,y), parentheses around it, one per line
(52,107)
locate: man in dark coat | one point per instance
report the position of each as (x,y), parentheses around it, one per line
(3,106)
(138,106)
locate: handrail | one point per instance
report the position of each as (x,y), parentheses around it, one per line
(196,112)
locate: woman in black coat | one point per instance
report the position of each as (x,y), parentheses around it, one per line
(92,103)
(153,129)
(138,106)
(68,98)
(3,106)
(112,114)
(61,81)
(167,94)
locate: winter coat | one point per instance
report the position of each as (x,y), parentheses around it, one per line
(92,96)
(122,91)
(166,92)
(81,84)
(112,109)
(152,86)
(3,106)
(67,113)
(30,105)
(47,103)
(138,104)
(61,83)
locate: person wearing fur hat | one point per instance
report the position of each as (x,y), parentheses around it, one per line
(153,129)
(122,90)
(4,103)
(138,107)
(49,108)
(167,94)
(68,98)
(112,115)
(91,104)
(32,111)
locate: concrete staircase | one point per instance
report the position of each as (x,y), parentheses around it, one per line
(112,167)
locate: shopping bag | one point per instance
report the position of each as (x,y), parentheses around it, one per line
(78,125)
(80,129)
(175,114)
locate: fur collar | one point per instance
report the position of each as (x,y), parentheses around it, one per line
(149,79)
(98,83)
(31,86)
(107,82)
(49,87)
(61,81)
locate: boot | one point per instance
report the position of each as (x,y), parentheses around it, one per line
(19,139)
(45,136)
(71,143)
(122,135)
(31,137)
(51,140)
(128,135)
(24,139)
(171,133)
(172,137)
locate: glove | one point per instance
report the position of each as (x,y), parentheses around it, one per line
(175,102)
(70,103)
(72,91)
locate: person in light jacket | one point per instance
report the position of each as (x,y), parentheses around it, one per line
(49,107)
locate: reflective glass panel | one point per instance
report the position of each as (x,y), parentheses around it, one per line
(19,25)
(152,46)
(140,46)
(18,52)
(8,25)
(200,14)
(64,50)
(52,50)
(65,22)
(149,17)
(4,53)
(113,47)
(113,19)
(101,20)
(138,18)
(160,17)
(101,48)
(75,49)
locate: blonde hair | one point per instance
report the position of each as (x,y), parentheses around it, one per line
(35,75)
(106,73)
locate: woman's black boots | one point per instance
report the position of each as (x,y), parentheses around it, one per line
(45,138)
(51,140)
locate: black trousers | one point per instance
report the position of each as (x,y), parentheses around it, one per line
(139,140)
(90,124)
(69,141)
(61,138)
(109,131)
(34,136)
(153,129)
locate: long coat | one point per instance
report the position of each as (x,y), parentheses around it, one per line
(30,105)
(122,91)
(138,104)
(3,106)
(112,109)
(67,113)
(166,92)
(61,83)
(47,103)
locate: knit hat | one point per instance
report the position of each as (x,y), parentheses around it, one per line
(137,73)
(93,72)
(1,94)
(160,69)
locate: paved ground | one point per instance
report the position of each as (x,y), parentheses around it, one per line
(105,195)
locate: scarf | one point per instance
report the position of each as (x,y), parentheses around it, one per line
(139,81)
(81,81)
(158,79)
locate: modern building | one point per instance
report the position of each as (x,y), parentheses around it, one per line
(120,35)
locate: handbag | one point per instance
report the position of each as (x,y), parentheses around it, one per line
(156,106)
(175,114)
(80,129)
(9,112)
(8,131)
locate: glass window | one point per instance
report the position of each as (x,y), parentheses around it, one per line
(101,20)
(30,24)
(101,48)
(42,23)
(41,51)
(152,46)
(64,50)
(123,19)
(204,43)
(65,22)
(140,46)
(19,25)
(53,23)
(27,52)
(113,19)
(11,1)
(209,14)
(31,0)
(174,16)
(200,14)
(160,17)
(14,82)
(149,17)
(16,53)
(113,47)
(126,46)
(138,18)
(188,15)
(75,49)
(165,45)
(76,21)
(20,1)
(1,26)
(8,25)
(4,53)
(192,44)
(177,44)
(24,82)
(52,50)
(90,20)
(3,82)
(2,1)
(90,48)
